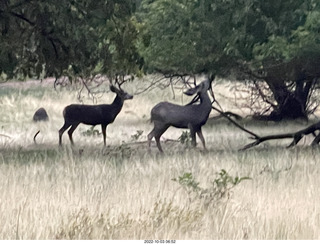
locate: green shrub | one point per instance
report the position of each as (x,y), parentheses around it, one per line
(219,189)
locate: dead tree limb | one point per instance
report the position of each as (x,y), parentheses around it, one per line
(297,136)
(152,85)
(235,123)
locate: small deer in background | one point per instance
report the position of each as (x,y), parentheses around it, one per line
(102,114)
(191,116)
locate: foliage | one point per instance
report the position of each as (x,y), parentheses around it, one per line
(219,189)
(203,35)
(137,135)
(274,41)
(122,151)
(179,28)
(185,138)
(68,37)
(91,132)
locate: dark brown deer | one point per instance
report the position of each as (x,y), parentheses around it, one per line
(102,114)
(191,116)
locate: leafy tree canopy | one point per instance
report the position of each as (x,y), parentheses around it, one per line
(67,37)
(190,36)
(276,41)
(178,37)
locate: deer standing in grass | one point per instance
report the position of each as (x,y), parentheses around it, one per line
(191,116)
(102,114)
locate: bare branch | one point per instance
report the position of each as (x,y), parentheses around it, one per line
(262,95)
(152,85)
(235,123)
(297,136)
(22,17)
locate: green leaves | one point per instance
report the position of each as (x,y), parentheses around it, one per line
(187,181)
(68,37)
(188,36)
(299,42)
(83,38)
(219,189)
(185,138)
(224,179)
(167,36)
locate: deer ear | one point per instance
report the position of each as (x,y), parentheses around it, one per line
(191,91)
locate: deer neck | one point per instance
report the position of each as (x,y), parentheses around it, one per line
(117,103)
(204,99)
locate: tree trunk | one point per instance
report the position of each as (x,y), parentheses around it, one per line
(290,104)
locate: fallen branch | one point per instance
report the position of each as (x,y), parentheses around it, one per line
(297,136)
(259,139)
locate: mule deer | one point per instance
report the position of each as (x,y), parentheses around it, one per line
(102,114)
(191,116)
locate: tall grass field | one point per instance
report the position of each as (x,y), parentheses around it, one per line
(124,191)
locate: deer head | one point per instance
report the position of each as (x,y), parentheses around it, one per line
(121,93)
(202,87)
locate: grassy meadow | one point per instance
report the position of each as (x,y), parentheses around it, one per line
(122,191)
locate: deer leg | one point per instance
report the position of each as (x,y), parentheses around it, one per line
(158,131)
(104,128)
(158,143)
(193,135)
(71,130)
(62,130)
(316,140)
(199,133)
(150,136)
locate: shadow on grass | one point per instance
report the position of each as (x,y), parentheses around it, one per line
(134,151)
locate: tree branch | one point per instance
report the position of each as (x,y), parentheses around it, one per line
(22,17)
(255,136)
(297,136)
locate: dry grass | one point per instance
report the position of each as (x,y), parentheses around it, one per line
(124,192)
